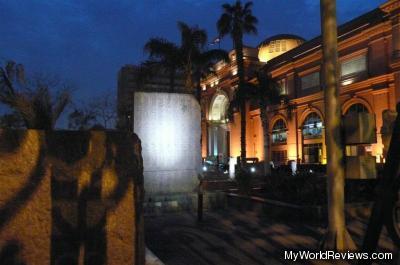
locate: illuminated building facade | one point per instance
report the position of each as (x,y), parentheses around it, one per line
(218,134)
(369,61)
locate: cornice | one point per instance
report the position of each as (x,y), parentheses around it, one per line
(390,6)
(395,65)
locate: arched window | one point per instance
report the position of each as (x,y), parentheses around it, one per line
(357,108)
(279,132)
(312,126)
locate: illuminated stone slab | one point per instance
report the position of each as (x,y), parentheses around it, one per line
(168,125)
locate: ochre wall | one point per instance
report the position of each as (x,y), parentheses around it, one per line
(254,135)
(235,135)
(204,138)
(376,102)
(71,198)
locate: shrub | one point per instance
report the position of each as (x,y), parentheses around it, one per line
(309,188)
(243,180)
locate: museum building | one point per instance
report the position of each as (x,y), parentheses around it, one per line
(369,69)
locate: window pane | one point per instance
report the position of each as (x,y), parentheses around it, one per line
(356,65)
(357,108)
(310,81)
(312,153)
(283,43)
(279,132)
(279,137)
(312,127)
(277,45)
(272,46)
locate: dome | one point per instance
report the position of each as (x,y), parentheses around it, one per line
(276,45)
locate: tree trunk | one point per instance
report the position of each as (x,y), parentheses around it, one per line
(265,125)
(238,42)
(172,74)
(243,131)
(189,79)
(337,237)
(198,88)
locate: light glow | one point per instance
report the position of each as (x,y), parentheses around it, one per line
(347,82)
(234,71)
(232,164)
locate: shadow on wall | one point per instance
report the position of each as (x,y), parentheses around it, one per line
(10,254)
(71,198)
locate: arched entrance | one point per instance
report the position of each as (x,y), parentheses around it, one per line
(218,133)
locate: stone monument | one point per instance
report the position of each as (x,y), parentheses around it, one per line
(168,125)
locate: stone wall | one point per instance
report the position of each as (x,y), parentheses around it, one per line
(70,198)
(184,202)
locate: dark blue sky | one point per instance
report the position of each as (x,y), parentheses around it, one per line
(86,41)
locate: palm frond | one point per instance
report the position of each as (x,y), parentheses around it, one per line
(237,19)
(247,7)
(200,37)
(227,8)
(10,70)
(183,27)
(268,90)
(20,73)
(160,48)
(224,24)
(192,38)
(214,55)
(249,25)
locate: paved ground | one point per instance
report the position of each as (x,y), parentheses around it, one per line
(236,238)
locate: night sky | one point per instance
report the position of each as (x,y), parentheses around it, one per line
(86,42)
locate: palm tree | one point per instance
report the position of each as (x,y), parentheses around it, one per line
(193,40)
(203,65)
(164,54)
(190,57)
(337,237)
(268,93)
(32,100)
(237,20)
